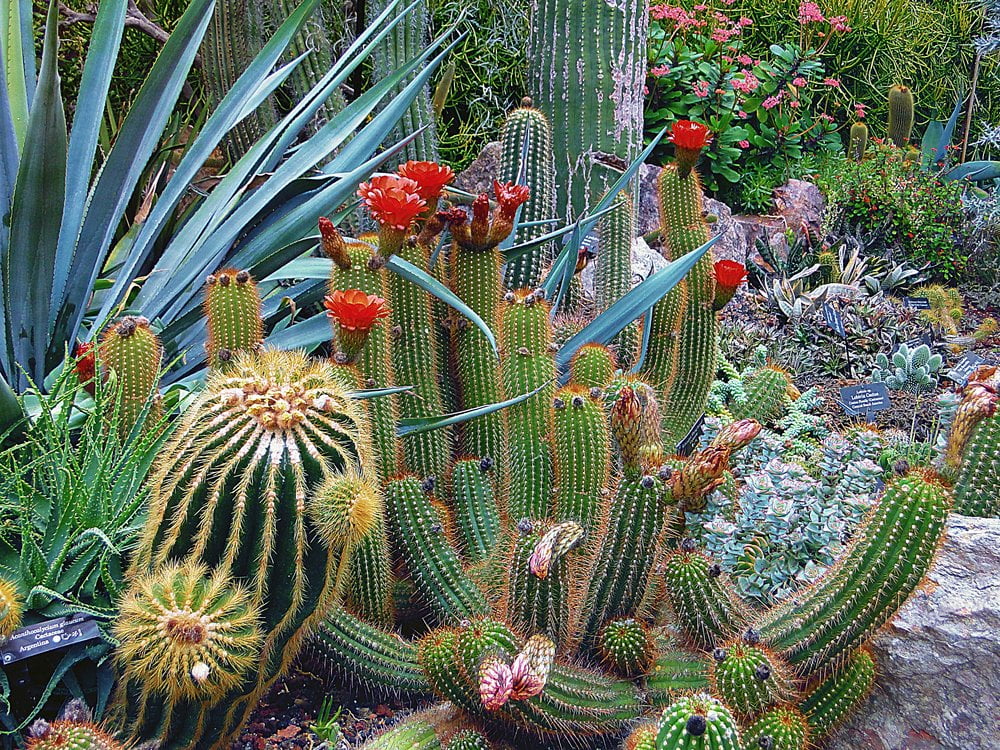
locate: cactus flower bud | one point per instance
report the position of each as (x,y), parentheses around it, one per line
(530,668)
(333,244)
(496,683)
(737,435)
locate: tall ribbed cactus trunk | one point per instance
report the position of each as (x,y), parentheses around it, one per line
(586,69)
(234,37)
(403,43)
(527,158)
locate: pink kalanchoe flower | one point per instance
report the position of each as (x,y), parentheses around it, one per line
(745,60)
(659,71)
(700,88)
(743,144)
(839,24)
(831,82)
(747,84)
(799,81)
(744,21)
(809,12)
(859,110)
(794,104)
(771,102)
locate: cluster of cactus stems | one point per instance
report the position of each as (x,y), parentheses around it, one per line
(537,563)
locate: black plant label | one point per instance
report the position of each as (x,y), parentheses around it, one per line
(49,635)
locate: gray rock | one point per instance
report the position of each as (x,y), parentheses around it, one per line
(939,660)
(801,205)
(479,175)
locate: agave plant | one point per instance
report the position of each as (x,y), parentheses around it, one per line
(64,199)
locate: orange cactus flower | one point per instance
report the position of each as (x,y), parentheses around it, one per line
(510,197)
(354,313)
(430,177)
(393,201)
(86,365)
(355,310)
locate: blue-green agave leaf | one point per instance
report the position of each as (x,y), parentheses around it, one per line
(413,425)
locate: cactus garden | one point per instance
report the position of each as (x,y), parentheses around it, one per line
(651,424)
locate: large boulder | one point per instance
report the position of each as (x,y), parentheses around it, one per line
(939,660)
(479,175)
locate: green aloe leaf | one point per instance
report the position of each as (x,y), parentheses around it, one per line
(638,301)
(34,228)
(413,425)
(365,393)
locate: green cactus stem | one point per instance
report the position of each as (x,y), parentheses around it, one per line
(232,309)
(582,455)
(570,72)
(697,722)
(414,361)
(229,492)
(901,108)
(69,735)
(476,513)
(675,671)
(642,737)
(626,646)
(364,272)
(836,697)
(858,141)
(627,551)
(769,392)
(130,354)
(527,125)
(540,579)
(972,455)
(748,678)
(476,279)
(368,655)
(613,273)
(684,395)
(782,728)
(702,599)
(419,536)
(817,630)
(527,365)
(593,366)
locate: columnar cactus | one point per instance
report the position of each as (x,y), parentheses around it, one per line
(818,629)
(613,271)
(130,354)
(768,393)
(707,610)
(232,308)
(230,493)
(582,455)
(527,126)
(972,455)
(593,366)
(858,143)
(781,728)
(837,696)
(527,365)
(569,70)
(748,678)
(900,115)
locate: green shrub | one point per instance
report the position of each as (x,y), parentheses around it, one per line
(902,211)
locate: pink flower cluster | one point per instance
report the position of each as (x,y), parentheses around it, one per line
(659,71)
(682,18)
(859,110)
(747,84)
(809,12)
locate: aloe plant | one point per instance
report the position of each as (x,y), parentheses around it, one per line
(66,201)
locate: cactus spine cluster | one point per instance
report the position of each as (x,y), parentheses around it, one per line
(70,735)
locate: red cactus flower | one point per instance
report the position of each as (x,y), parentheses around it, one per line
(689,138)
(86,365)
(510,197)
(355,310)
(430,177)
(354,314)
(689,134)
(393,201)
(729,276)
